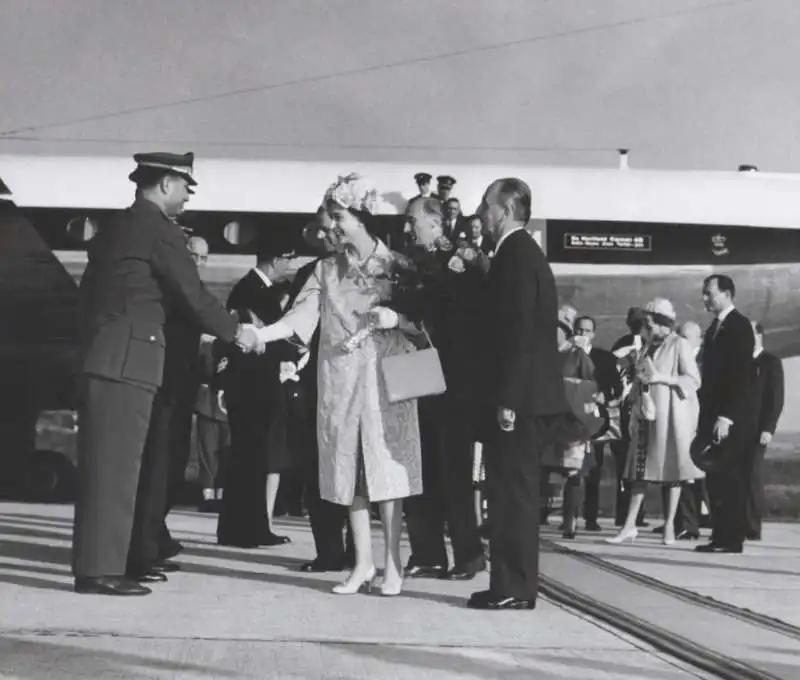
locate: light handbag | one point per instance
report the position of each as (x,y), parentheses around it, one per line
(413,375)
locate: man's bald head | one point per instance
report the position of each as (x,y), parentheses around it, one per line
(198,247)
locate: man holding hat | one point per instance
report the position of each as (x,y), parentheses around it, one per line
(140,274)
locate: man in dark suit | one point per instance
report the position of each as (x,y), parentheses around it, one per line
(139,274)
(453,224)
(328,520)
(767,405)
(523,383)
(256,414)
(609,383)
(726,360)
(447,421)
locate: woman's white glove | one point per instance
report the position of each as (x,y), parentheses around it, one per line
(383,318)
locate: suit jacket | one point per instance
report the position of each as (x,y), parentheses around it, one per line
(139,275)
(521,320)
(768,392)
(454,319)
(726,360)
(252,380)
(606,374)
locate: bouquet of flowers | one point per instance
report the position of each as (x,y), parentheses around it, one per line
(417,283)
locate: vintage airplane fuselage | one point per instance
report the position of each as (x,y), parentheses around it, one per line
(615,238)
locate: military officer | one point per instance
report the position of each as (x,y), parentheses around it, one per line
(444,187)
(140,273)
(423,180)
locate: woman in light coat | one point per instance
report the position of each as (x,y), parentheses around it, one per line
(663,417)
(369,448)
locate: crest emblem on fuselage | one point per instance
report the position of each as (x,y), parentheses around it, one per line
(718,245)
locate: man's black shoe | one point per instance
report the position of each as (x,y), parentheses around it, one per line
(270,539)
(167,567)
(658,530)
(718,548)
(593,526)
(642,523)
(147,576)
(318,565)
(687,536)
(420,571)
(466,572)
(109,585)
(487,601)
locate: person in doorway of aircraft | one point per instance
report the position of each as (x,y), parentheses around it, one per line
(423,180)
(444,186)
(663,417)
(369,447)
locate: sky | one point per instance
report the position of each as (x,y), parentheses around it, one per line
(685,84)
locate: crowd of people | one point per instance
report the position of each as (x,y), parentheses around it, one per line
(293,395)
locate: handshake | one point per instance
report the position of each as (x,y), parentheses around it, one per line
(247,339)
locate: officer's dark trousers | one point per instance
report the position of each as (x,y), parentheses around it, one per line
(114,418)
(447,461)
(512,486)
(151,494)
(179,439)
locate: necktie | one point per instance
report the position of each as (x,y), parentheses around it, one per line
(712,329)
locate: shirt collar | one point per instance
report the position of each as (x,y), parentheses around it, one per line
(263,277)
(505,236)
(757,353)
(724,313)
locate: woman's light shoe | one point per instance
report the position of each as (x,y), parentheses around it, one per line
(352,585)
(623,536)
(669,538)
(392,590)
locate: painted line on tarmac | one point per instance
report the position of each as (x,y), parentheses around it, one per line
(769,623)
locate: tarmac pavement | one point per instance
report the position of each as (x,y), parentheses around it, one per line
(250,614)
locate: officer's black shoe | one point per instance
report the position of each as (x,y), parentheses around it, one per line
(109,585)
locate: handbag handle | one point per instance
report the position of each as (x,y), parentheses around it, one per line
(425,331)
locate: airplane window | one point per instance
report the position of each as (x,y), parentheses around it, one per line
(81,229)
(238,234)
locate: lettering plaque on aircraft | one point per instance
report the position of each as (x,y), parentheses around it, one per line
(629,242)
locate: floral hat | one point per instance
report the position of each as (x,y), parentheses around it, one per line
(354,192)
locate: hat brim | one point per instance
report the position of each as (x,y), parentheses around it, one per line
(190,181)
